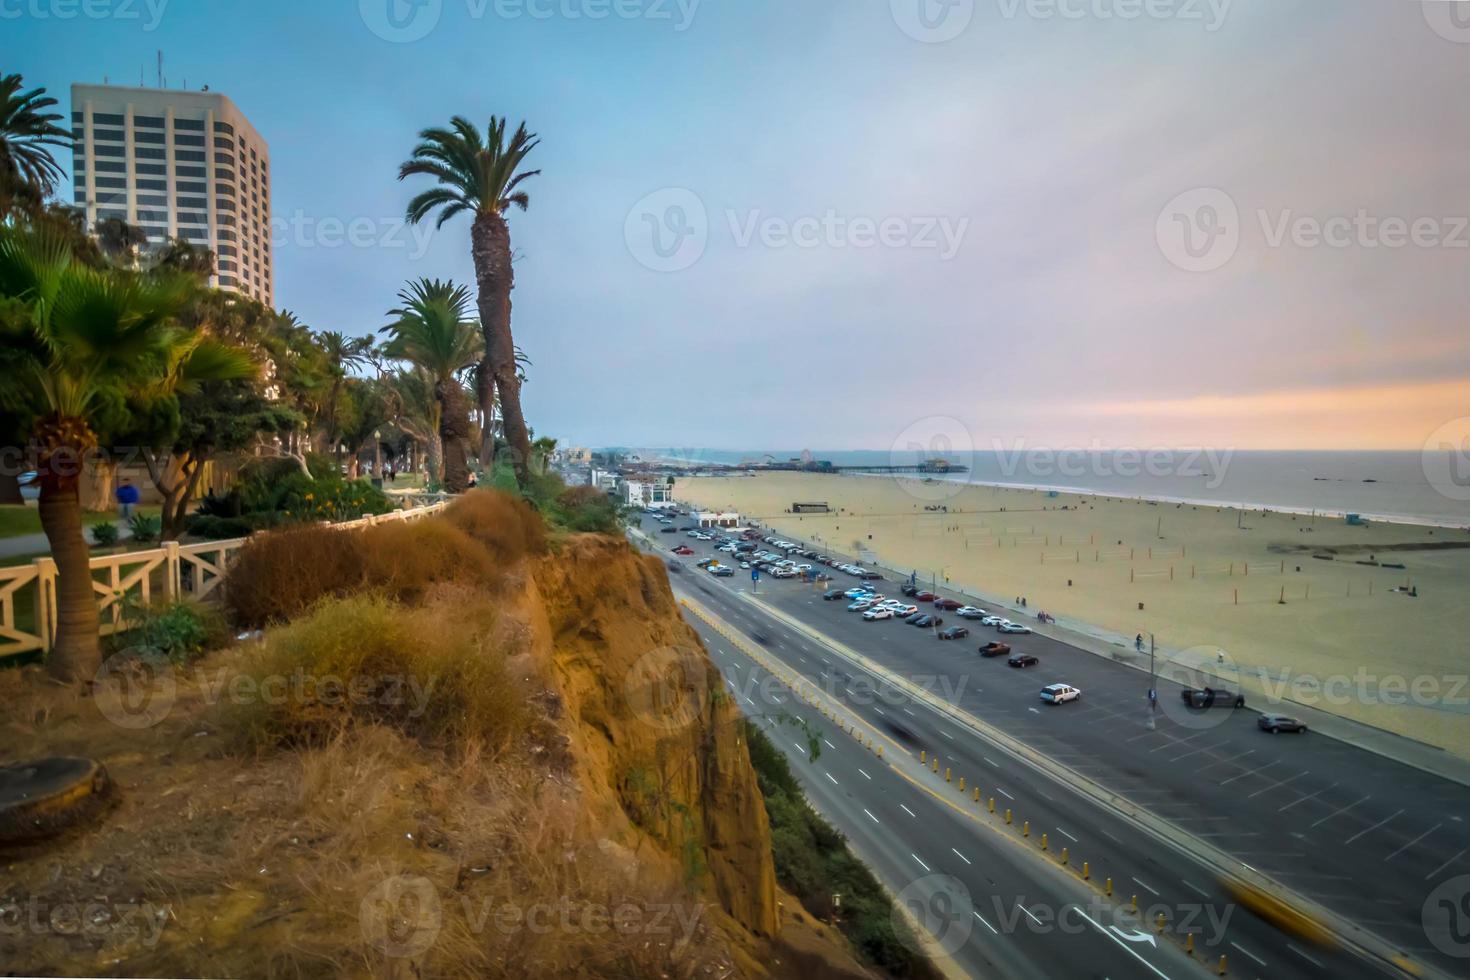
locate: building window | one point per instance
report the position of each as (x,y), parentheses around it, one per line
(115,135)
(224,204)
(152,122)
(192,125)
(153,185)
(225,173)
(190,156)
(111,166)
(227,280)
(226,189)
(192,187)
(148,136)
(108,150)
(227,250)
(199,172)
(228,159)
(224,127)
(183,139)
(199,203)
(153,200)
(156,169)
(150,153)
(104,213)
(108,119)
(119,183)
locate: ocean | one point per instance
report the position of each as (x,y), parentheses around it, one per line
(1408,487)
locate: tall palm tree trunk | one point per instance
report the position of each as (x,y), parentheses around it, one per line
(77,653)
(453,435)
(490,246)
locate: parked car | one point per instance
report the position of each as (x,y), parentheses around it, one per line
(868,575)
(832,594)
(914,617)
(1010,627)
(949,605)
(925,596)
(925,621)
(877,613)
(910,590)
(724,571)
(1281,723)
(665,530)
(683,549)
(954,633)
(858,592)
(858,605)
(904,609)
(995,649)
(1209,697)
(992,620)
(1023,660)
(971,612)
(1059,693)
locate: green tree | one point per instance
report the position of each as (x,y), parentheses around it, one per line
(342,354)
(434,331)
(28,171)
(481,176)
(83,339)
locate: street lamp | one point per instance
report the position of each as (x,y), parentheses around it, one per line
(1153,685)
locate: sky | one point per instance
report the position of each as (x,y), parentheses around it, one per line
(838,223)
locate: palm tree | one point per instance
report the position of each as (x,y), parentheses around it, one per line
(342,353)
(84,339)
(434,331)
(481,176)
(28,173)
(416,412)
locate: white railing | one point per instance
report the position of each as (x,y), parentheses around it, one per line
(134,578)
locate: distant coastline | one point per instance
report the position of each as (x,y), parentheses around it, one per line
(1387,487)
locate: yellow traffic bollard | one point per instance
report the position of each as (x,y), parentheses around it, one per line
(946,774)
(880,751)
(923,756)
(1108,888)
(1161,922)
(936,763)
(1064,855)
(1086,872)
(1222,964)
(1189,943)
(1008,815)
(1134,903)
(962,784)
(976,796)
(1043,841)
(1026,828)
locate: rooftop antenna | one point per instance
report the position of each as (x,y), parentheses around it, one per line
(160,68)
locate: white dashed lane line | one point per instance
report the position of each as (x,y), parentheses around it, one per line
(946,734)
(1315,962)
(1248,953)
(829,745)
(1147,888)
(987,924)
(921,862)
(1195,888)
(870,816)
(829,776)
(1066,835)
(1005,794)
(865,775)
(1028,914)
(909,812)
(961,856)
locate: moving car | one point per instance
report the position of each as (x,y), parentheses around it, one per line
(995,649)
(1288,918)
(1209,697)
(683,549)
(665,530)
(867,574)
(1023,660)
(948,605)
(954,633)
(1281,723)
(1010,627)
(878,612)
(858,591)
(1058,693)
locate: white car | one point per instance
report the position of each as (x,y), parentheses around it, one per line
(992,621)
(878,612)
(782,573)
(860,605)
(858,593)
(1010,627)
(971,612)
(904,609)
(1057,693)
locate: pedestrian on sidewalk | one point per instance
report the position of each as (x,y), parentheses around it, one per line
(127,498)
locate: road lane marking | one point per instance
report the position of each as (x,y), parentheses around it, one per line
(992,762)
(946,734)
(920,860)
(1374,827)
(1250,772)
(909,812)
(1248,952)
(987,924)
(961,856)
(1113,837)
(1413,842)
(830,745)
(1066,835)
(865,775)
(1343,810)
(1445,865)
(1195,888)
(1305,798)
(1315,962)
(870,816)
(1131,951)
(1148,887)
(1005,794)
(829,776)
(1028,913)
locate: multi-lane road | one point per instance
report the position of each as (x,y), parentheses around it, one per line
(1156,811)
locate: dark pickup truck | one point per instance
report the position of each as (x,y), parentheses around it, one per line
(1209,697)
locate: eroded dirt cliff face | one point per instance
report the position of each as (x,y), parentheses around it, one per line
(660,743)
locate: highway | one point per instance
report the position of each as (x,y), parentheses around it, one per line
(1214,781)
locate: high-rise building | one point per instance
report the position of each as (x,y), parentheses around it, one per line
(178,165)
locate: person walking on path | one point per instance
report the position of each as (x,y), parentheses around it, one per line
(127,498)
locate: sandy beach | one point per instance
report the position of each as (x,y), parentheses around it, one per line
(1211,581)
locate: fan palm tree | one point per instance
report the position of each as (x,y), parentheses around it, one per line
(433,330)
(86,338)
(416,412)
(28,172)
(480,175)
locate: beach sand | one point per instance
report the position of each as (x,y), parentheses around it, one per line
(1210,580)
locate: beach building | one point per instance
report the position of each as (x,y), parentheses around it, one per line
(645,493)
(708,518)
(178,164)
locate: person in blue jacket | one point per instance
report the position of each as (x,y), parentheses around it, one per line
(127,498)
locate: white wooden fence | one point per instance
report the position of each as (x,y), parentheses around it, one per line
(134,578)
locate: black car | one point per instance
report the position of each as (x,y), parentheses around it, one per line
(1281,723)
(1209,697)
(926,621)
(666,530)
(724,571)
(1023,660)
(869,575)
(954,633)
(913,620)
(832,594)
(910,590)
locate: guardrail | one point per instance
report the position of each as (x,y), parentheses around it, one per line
(171,571)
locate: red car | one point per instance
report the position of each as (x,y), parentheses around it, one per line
(683,549)
(925,597)
(949,604)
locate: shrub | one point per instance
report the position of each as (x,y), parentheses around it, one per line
(506,525)
(177,631)
(218,528)
(104,534)
(145,528)
(329,499)
(280,574)
(423,671)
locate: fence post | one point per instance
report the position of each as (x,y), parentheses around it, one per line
(46,601)
(172,579)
